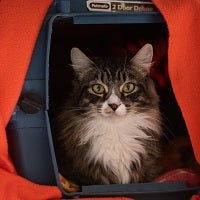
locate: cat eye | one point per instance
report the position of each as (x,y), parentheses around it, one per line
(128,87)
(98,88)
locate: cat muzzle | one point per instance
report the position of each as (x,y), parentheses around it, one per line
(113,106)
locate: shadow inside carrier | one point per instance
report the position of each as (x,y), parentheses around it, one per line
(118,40)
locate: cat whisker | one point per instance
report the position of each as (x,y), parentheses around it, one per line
(86,140)
(162,121)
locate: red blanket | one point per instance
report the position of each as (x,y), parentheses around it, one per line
(20,23)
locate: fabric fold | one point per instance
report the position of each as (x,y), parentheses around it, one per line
(19,27)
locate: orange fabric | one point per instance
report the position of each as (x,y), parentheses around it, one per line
(182,17)
(19,26)
(20,23)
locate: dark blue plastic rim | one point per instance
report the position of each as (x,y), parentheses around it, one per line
(165,191)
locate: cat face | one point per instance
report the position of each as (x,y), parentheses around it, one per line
(114,87)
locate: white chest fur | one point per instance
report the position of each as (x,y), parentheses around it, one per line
(115,144)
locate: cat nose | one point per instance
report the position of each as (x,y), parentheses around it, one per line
(113,106)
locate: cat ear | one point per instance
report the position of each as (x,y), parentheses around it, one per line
(143,58)
(80,62)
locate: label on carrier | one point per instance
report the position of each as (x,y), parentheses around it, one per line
(120,6)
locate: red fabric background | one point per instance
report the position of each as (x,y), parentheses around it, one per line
(182,17)
(19,26)
(20,23)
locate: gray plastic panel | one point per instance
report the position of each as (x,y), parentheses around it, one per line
(117,18)
(32,158)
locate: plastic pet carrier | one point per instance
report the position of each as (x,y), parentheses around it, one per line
(96,25)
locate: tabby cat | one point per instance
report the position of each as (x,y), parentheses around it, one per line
(109,131)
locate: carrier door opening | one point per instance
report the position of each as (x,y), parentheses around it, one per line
(110,40)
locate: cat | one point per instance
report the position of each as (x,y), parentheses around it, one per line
(109,130)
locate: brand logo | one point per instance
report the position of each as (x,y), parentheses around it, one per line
(103,6)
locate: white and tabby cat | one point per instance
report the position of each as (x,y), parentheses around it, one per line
(109,131)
